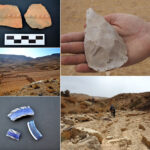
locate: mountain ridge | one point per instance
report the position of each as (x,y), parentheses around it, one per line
(88,104)
(15,59)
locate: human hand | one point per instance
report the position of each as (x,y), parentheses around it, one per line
(134,31)
(74,43)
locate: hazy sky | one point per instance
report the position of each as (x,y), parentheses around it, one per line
(31,52)
(105,86)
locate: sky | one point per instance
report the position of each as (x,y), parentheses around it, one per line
(105,86)
(30,52)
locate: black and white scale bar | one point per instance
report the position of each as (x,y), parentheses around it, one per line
(24,39)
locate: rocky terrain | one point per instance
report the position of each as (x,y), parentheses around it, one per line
(86,123)
(18,72)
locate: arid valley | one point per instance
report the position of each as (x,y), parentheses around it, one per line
(87,124)
(23,76)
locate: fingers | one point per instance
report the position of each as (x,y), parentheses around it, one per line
(72,43)
(73,59)
(72,37)
(72,47)
(79,60)
(83,68)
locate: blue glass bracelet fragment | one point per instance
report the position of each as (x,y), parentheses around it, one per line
(13,134)
(34,131)
(20,112)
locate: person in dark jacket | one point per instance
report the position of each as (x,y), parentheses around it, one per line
(113,110)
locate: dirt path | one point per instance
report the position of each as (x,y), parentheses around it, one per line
(124,132)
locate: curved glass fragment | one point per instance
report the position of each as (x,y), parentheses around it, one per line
(34,131)
(13,134)
(20,112)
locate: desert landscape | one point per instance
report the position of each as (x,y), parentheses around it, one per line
(23,76)
(73,20)
(86,123)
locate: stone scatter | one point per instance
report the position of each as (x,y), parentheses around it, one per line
(129,130)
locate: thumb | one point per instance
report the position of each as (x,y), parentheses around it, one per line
(112,20)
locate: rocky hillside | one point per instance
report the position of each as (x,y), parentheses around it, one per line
(13,59)
(4,58)
(51,62)
(80,103)
(41,88)
(134,101)
(16,72)
(47,58)
(18,62)
(86,123)
(129,130)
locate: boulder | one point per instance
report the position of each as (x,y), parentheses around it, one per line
(92,132)
(123,129)
(68,121)
(83,119)
(141,127)
(89,143)
(72,133)
(121,141)
(109,137)
(146,139)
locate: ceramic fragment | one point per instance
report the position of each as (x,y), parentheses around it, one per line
(34,131)
(10,16)
(13,134)
(20,112)
(38,17)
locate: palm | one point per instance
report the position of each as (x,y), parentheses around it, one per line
(134,32)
